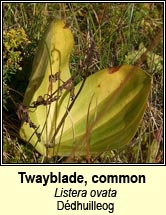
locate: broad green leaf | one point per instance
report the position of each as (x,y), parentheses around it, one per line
(52,57)
(117,103)
(105,115)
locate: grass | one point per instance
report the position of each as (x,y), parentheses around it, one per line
(120,32)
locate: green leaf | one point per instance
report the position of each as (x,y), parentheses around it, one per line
(52,57)
(104,116)
(117,103)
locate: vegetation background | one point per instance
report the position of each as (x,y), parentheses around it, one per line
(121,32)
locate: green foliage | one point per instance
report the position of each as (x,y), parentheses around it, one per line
(117,30)
(113,115)
(157,60)
(14,42)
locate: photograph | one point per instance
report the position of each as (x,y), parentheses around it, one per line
(82,83)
